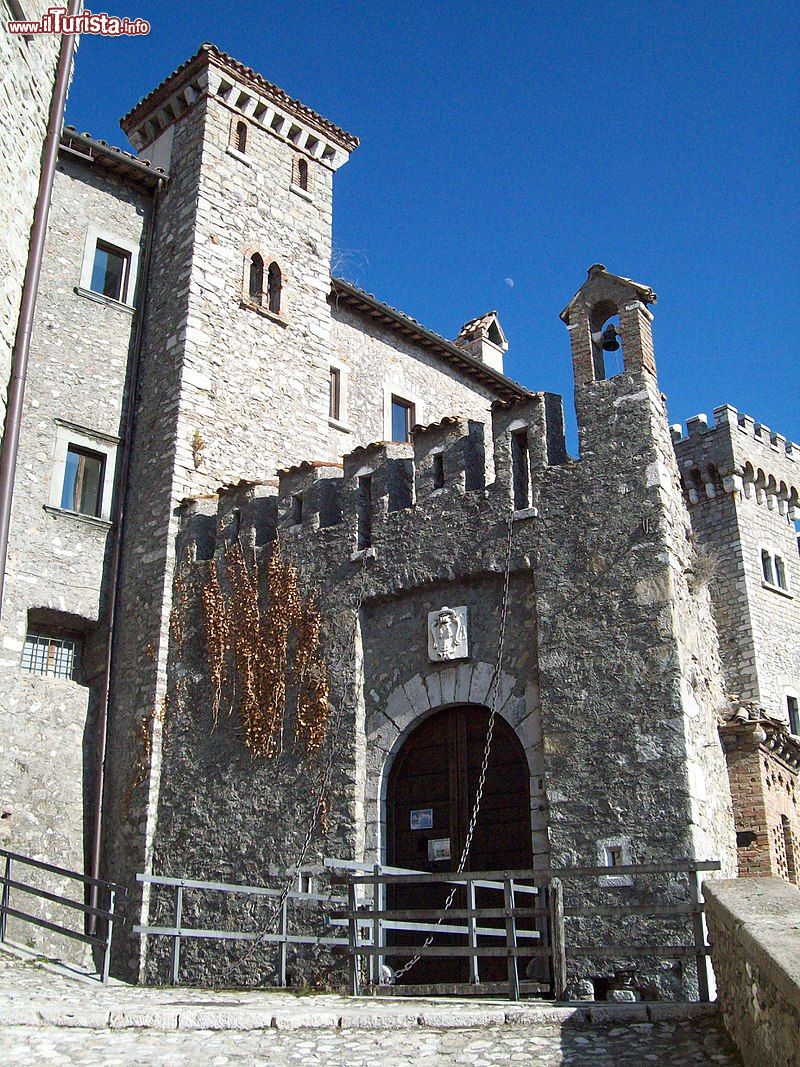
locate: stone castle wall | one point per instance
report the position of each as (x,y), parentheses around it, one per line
(57,560)
(25,90)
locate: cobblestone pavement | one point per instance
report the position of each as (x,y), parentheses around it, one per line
(47,1018)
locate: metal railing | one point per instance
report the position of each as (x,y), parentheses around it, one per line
(368,923)
(179,931)
(12,880)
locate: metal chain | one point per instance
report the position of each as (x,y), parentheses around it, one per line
(349,680)
(487,748)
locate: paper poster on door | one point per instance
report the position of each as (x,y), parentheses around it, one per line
(439,848)
(422,819)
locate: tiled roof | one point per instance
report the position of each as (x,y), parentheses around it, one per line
(645,292)
(346,140)
(349,294)
(91,149)
(477,325)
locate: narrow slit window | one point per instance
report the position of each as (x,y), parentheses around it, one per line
(300,176)
(82,490)
(767,569)
(364,511)
(110,271)
(780,572)
(297,509)
(274,284)
(402,419)
(335,396)
(521,470)
(438,470)
(240,138)
(793,708)
(256,283)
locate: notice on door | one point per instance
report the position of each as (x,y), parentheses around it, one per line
(422,819)
(439,848)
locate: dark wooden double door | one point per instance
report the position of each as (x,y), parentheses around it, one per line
(431,794)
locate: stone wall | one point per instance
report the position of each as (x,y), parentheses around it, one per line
(57,560)
(754,929)
(25,90)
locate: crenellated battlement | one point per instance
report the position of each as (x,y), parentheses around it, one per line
(737,454)
(354,501)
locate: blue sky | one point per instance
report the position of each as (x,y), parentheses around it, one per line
(507,146)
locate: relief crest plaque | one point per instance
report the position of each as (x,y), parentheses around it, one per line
(447,634)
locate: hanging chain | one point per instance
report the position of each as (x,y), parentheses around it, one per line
(347,684)
(494,686)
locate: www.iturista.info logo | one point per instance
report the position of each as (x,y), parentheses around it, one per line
(59,20)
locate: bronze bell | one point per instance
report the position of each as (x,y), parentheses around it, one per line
(609,342)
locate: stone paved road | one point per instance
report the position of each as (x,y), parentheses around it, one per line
(639,1044)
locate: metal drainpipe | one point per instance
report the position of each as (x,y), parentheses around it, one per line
(116,559)
(33,270)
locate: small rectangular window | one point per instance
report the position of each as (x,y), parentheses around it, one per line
(402,419)
(364,512)
(794,715)
(82,490)
(780,572)
(521,471)
(297,508)
(110,271)
(438,470)
(766,567)
(47,654)
(614,857)
(335,403)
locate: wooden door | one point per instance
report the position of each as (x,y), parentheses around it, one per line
(430,798)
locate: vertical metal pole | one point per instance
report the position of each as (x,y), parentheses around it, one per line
(557,941)
(283,930)
(109,934)
(474,975)
(699,932)
(6,894)
(354,942)
(176,941)
(511,939)
(377,926)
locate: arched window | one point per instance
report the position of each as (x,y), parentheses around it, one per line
(240,141)
(274,288)
(302,173)
(256,284)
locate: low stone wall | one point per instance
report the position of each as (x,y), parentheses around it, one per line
(754,928)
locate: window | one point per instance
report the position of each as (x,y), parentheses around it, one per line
(82,481)
(274,288)
(364,511)
(240,138)
(297,509)
(256,280)
(82,490)
(402,419)
(51,655)
(766,567)
(110,272)
(794,714)
(780,572)
(614,857)
(335,404)
(438,470)
(520,470)
(300,173)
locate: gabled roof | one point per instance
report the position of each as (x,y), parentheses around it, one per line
(246,74)
(487,326)
(598,272)
(346,293)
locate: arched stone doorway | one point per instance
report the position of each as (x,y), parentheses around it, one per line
(430,796)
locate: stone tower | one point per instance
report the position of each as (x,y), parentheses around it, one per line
(235,365)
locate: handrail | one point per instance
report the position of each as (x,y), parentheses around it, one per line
(8,882)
